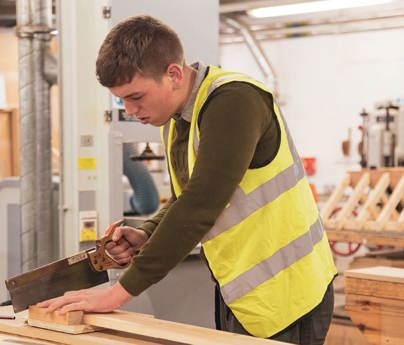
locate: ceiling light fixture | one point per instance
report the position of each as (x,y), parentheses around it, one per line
(312,7)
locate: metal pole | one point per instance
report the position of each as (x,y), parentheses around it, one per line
(27,139)
(33,26)
(42,17)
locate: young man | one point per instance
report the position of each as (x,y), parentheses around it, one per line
(238,188)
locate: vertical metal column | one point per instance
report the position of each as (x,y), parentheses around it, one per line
(42,17)
(34,21)
(27,138)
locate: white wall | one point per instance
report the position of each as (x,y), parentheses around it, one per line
(324,82)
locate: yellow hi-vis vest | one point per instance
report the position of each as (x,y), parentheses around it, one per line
(267,249)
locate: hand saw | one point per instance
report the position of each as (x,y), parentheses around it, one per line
(80,271)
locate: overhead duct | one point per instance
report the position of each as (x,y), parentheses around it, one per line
(256,50)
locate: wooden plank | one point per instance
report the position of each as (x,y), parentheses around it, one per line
(346,210)
(332,201)
(385,200)
(395,226)
(105,337)
(130,328)
(127,322)
(385,238)
(374,288)
(380,273)
(390,206)
(372,304)
(395,175)
(12,339)
(373,198)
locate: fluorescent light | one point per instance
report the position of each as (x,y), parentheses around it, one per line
(311,7)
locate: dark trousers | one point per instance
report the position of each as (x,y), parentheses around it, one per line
(310,329)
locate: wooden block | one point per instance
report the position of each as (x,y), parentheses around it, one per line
(380,319)
(71,322)
(344,333)
(375,302)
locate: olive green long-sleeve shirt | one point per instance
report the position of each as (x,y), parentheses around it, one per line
(238,131)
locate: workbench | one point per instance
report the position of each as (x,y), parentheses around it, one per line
(122,328)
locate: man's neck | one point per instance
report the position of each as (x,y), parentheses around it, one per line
(189,79)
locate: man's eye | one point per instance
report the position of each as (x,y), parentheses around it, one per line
(136,98)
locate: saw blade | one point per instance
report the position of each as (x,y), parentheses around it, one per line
(53,280)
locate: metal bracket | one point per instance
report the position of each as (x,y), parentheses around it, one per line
(29,31)
(108,115)
(106,12)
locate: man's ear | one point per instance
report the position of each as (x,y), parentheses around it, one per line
(176,73)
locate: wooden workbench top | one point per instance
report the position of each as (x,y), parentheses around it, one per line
(130,328)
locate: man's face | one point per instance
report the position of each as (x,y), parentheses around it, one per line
(151,101)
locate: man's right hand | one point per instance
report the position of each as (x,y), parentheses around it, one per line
(126,242)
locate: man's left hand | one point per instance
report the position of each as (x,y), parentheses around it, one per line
(90,300)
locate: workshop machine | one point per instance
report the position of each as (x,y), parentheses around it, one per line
(382,142)
(95,126)
(94,131)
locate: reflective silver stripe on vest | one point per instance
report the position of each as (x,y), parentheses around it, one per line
(219,80)
(268,268)
(242,205)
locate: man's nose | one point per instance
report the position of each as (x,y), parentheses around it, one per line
(130,108)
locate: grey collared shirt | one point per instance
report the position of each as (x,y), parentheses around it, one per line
(200,68)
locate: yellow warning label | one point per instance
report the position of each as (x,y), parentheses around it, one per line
(87,235)
(87,163)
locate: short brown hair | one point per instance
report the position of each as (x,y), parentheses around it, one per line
(140,44)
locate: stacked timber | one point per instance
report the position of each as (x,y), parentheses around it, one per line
(375,303)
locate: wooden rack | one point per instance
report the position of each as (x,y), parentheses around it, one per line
(367,206)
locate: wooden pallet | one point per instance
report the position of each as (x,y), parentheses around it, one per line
(367,200)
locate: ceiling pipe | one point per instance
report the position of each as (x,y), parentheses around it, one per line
(309,28)
(256,50)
